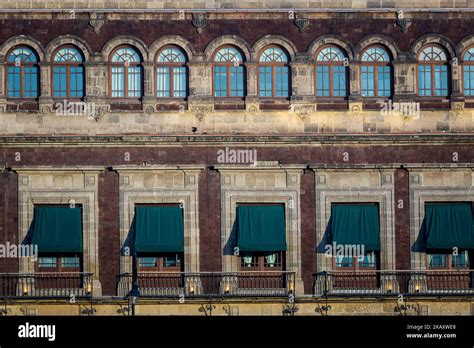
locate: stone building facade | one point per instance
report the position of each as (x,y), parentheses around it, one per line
(312,151)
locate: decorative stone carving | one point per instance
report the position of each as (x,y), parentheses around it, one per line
(46,109)
(149,109)
(200,111)
(96,21)
(404,24)
(302,23)
(199,21)
(97,112)
(457,107)
(355,107)
(302,111)
(252,107)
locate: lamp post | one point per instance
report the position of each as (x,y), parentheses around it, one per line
(134,294)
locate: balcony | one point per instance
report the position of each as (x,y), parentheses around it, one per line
(366,283)
(45,285)
(209,284)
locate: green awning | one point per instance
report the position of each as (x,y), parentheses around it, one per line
(159,229)
(449,225)
(261,228)
(356,224)
(57,229)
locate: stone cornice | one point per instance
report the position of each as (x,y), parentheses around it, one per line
(313,140)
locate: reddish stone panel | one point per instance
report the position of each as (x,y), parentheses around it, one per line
(210,250)
(402,219)
(189,154)
(308,230)
(9,217)
(109,231)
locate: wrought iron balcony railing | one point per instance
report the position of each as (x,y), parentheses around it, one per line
(422,282)
(209,284)
(45,285)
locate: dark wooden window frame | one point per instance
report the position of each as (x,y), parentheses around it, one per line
(160,262)
(125,72)
(356,266)
(68,66)
(228,66)
(261,267)
(466,63)
(274,65)
(449,266)
(22,74)
(171,65)
(433,64)
(376,73)
(331,65)
(59,268)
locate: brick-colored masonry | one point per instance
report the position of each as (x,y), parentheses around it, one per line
(210,221)
(243,4)
(8,217)
(308,231)
(402,219)
(109,235)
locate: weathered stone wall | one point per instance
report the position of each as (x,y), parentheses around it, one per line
(228,4)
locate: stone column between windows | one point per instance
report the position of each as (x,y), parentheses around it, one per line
(404,80)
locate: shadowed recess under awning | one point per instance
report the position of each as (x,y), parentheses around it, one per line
(159,229)
(356,224)
(57,229)
(261,228)
(449,225)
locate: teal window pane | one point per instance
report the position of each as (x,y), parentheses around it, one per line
(14,81)
(237,81)
(461,260)
(70,262)
(60,81)
(344,262)
(76,83)
(220,81)
(339,81)
(118,81)
(163,82)
(30,81)
(171,261)
(134,82)
(468,77)
(147,261)
(179,82)
(47,262)
(424,80)
(281,77)
(265,76)
(368,89)
(383,83)
(323,81)
(369,261)
(437,260)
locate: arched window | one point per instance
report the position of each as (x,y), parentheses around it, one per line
(126,73)
(468,72)
(228,73)
(171,73)
(22,73)
(274,73)
(432,72)
(68,73)
(376,75)
(330,73)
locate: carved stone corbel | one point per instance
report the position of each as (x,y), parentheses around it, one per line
(96,21)
(200,111)
(199,21)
